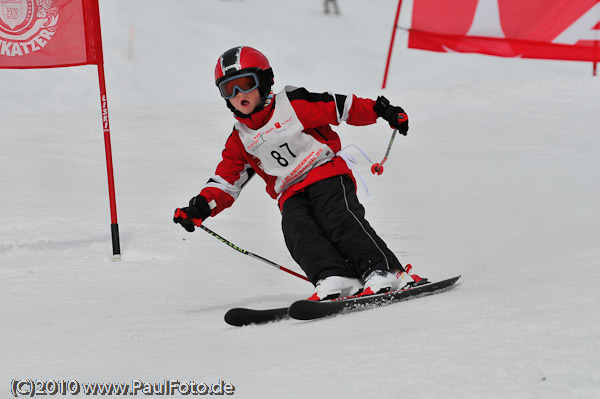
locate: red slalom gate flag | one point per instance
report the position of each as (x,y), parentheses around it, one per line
(551,29)
(49,33)
(59,33)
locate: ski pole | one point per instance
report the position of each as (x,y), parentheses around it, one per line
(243,251)
(377,167)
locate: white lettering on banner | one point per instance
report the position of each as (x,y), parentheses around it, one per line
(26,26)
(12,49)
(582,28)
(486,22)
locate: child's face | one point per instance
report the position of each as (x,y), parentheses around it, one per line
(246,102)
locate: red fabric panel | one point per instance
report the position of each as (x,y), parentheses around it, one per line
(558,29)
(53,33)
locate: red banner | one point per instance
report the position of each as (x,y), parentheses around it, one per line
(49,33)
(552,29)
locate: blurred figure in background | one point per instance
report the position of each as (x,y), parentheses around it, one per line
(335,6)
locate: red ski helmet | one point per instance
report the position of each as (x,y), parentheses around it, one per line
(241,60)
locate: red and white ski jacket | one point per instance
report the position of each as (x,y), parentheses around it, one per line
(290,144)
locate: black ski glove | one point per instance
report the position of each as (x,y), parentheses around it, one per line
(191,216)
(395,116)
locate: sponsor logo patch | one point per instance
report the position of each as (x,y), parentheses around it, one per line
(26,26)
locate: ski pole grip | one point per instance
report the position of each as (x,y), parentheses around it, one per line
(402,117)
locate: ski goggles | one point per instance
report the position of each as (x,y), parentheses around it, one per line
(243,83)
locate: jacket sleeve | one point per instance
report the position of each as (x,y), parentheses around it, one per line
(318,109)
(231,175)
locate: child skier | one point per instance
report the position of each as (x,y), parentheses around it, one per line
(287,140)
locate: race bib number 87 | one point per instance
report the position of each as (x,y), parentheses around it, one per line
(282,147)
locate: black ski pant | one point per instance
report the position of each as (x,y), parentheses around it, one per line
(326,232)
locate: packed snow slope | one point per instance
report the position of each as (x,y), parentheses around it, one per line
(498,180)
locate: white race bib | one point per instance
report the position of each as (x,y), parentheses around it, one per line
(282,147)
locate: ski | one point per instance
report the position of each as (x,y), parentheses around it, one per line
(243,316)
(310,310)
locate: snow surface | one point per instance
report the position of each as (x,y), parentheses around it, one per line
(498,180)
